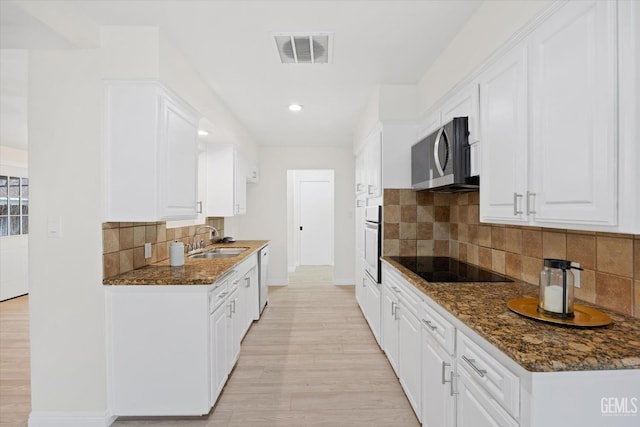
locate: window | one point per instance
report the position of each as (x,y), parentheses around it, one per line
(14,205)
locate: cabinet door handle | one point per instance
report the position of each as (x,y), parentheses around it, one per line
(451,392)
(234,306)
(359,187)
(230,312)
(516,196)
(529,204)
(393,309)
(472,363)
(199,209)
(397,308)
(429,324)
(248,280)
(359,203)
(444,367)
(364,283)
(371,189)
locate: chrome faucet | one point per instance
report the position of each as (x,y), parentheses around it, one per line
(195,246)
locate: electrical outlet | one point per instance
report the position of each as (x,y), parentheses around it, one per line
(576,274)
(147,250)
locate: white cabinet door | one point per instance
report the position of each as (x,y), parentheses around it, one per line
(373,164)
(226,181)
(476,408)
(372,306)
(390,326)
(234,329)
(151,151)
(218,351)
(179,161)
(438,398)
(503,123)
(361,185)
(409,360)
(573,146)
(240,184)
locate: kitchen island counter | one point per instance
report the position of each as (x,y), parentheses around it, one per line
(536,346)
(193,272)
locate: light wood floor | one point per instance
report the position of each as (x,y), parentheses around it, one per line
(310,361)
(15,387)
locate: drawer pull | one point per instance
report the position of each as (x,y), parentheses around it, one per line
(222,295)
(429,324)
(396,289)
(471,363)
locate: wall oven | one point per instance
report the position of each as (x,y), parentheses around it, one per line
(373,242)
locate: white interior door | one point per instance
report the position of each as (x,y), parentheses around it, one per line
(315,223)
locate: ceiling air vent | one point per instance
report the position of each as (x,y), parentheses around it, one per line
(303,48)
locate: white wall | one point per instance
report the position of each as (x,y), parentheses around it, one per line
(66,304)
(387,103)
(14,249)
(490,27)
(267,206)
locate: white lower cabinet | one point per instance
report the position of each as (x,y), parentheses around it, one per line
(234,328)
(401,334)
(389,317)
(438,370)
(476,408)
(409,356)
(370,304)
(438,395)
(171,348)
(218,349)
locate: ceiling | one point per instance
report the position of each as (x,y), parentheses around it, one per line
(230,45)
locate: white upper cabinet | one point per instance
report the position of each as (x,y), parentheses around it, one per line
(548,123)
(226,181)
(151,153)
(503,118)
(573,77)
(384,160)
(369,166)
(464,104)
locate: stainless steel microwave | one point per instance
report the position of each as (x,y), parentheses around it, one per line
(442,160)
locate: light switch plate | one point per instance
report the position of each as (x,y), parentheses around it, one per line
(576,274)
(54,227)
(147,250)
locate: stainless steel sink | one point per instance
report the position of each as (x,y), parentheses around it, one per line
(218,253)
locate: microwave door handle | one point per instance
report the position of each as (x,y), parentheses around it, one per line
(436,148)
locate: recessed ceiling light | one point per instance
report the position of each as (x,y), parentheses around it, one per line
(295,107)
(203,133)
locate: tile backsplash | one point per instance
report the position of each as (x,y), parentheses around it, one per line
(123,243)
(442,224)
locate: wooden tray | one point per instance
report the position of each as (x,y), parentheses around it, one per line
(584,317)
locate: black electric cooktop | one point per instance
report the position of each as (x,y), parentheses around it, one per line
(445,269)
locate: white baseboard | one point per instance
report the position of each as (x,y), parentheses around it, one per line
(70,419)
(279,282)
(343,282)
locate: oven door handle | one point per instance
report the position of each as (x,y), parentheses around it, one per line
(372,225)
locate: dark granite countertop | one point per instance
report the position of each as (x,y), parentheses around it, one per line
(193,272)
(536,346)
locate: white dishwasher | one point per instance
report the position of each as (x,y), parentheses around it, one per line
(263,263)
